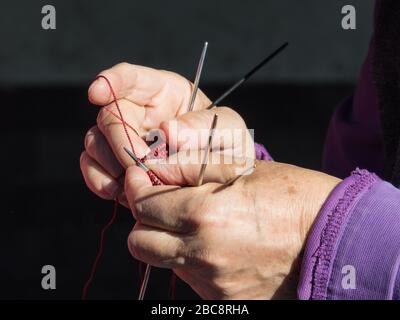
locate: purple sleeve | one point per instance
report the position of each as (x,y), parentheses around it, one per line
(354,137)
(353,249)
(262,153)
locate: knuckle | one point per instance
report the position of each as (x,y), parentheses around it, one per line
(196,212)
(144,209)
(198,257)
(104,118)
(176,252)
(236,119)
(229,111)
(139,209)
(82,160)
(123,64)
(89,140)
(171,74)
(135,245)
(205,257)
(205,212)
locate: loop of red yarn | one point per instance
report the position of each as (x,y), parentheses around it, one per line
(160,151)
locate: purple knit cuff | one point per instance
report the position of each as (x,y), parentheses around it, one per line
(262,153)
(326,233)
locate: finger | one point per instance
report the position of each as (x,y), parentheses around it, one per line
(183,168)
(117,137)
(128,81)
(144,86)
(170,208)
(97,179)
(191,131)
(98,148)
(156,247)
(122,200)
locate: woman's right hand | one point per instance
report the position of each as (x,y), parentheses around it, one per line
(149,99)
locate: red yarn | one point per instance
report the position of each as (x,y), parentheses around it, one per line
(161,151)
(126,123)
(100,250)
(119,111)
(172,286)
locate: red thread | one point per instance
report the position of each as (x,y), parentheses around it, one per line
(119,110)
(100,250)
(153,177)
(161,151)
(115,115)
(172,286)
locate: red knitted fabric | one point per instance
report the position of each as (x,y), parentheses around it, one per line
(158,152)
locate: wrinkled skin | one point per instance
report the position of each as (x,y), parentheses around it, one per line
(240,240)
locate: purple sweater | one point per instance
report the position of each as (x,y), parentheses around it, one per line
(353,248)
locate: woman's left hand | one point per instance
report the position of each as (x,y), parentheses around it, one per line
(237,241)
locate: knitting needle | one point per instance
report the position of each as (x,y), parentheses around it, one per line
(208,149)
(248,75)
(137,160)
(146,277)
(197,78)
(143,287)
(145,281)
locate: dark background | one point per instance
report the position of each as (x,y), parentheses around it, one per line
(48,215)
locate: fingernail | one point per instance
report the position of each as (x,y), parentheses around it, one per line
(111,187)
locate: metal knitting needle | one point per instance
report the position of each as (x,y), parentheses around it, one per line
(145,281)
(137,160)
(197,78)
(208,149)
(248,75)
(146,277)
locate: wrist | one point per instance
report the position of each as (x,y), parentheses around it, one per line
(326,233)
(318,192)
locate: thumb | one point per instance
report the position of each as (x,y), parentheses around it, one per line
(191,130)
(183,168)
(101,91)
(136,182)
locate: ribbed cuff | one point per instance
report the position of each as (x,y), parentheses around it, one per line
(326,233)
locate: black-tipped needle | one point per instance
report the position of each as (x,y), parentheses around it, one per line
(248,75)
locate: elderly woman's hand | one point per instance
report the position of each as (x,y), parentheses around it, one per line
(236,241)
(149,100)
